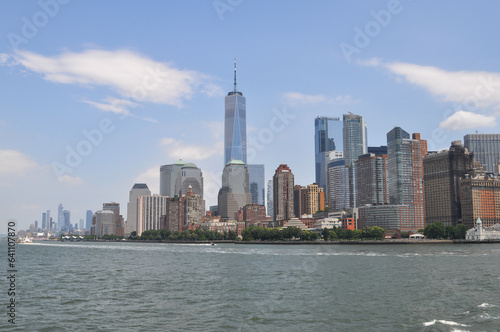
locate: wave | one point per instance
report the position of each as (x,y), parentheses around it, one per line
(444,322)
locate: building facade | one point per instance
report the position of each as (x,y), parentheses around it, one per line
(256,187)
(443,171)
(371,179)
(338,185)
(480,198)
(150,210)
(486,149)
(283,183)
(138,189)
(176,178)
(234,193)
(327,137)
(396,217)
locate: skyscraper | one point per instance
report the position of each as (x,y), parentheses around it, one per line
(270,204)
(67,221)
(44,220)
(355,140)
(486,149)
(88,220)
(327,137)
(235,128)
(234,193)
(176,178)
(405,174)
(371,179)
(139,189)
(256,183)
(443,171)
(338,185)
(283,183)
(60,217)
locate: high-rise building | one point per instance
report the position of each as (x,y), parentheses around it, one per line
(149,211)
(103,222)
(60,217)
(235,127)
(405,174)
(44,220)
(88,220)
(338,185)
(378,150)
(48,223)
(256,183)
(371,179)
(270,204)
(355,140)
(327,137)
(443,171)
(173,219)
(486,149)
(283,183)
(119,224)
(480,198)
(67,221)
(139,189)
(176,178)
(234,193)
(194,209)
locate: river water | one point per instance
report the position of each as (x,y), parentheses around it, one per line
(230,287)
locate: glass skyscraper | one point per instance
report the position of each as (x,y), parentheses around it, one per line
(355,142)
(327,137)
(235,126)
(486,148)
(256,180)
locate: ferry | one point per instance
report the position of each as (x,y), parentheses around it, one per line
(25,240)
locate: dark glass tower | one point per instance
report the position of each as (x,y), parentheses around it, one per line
(235,125)
(327,137)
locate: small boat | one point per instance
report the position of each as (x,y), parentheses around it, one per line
(212,243)
(25,240)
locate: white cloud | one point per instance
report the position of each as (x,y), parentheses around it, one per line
(131,75)
(176,149)
(113,105)
(471,88)
(70,180)
(151,177)
(216,128)
(297,98)
(467,120)
(15,163)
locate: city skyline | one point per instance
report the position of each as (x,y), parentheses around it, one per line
(152,93)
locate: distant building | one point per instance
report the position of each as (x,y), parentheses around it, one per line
(103,223)
(119,223)
(60,217)
(150,210)
(283,183)
(138,189)
(443,171)
(270,204)
(67,226)
(486,149)
(308,200)
(176,178)
(295,222)
(256,187)
(395,217)
(234,193)
(371,179)
(378,150)
(327,137)
(88,220)
(483,233)
(338,196)
(480,198)
(254,213)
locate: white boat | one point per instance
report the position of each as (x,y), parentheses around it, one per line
(25,240)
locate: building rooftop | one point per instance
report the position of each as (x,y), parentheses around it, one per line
(140,186)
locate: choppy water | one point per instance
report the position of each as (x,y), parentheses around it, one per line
(228,287)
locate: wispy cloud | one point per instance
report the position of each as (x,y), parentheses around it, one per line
(177,149)
(298,98)
(70,180)
(151,177)
(15,163)
(134,77)
(467,120)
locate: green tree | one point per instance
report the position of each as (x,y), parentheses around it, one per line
(461,231)
(325,233)
(436,230)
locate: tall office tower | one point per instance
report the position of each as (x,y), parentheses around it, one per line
(48,223)
(176,178)
(60,217)
(256,183)
(298,204)
(81,224)
(355,140)
(138,189)
(443,171)
(103,222)
(405,174)
(338,185)
(67,221)
(173,219)
(378,150)
(88,220)
(327,137)
(355,145)
(480,198)
(234,193)
(194,209)
(149,211)
(283,193)
(486,149)
(115,208)
(371,179)
(44,220)
(270,204)
(235,125)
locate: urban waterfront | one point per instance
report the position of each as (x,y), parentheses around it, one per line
(122,286)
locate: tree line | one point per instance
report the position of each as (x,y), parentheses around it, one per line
(255,233)
(189,235)
(437,230)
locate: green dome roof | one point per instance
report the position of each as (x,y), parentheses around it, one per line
(236,162)
(189,165)
(180,162)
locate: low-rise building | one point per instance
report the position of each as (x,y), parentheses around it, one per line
(483,233)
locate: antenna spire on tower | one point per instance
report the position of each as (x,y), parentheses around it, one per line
(235,75)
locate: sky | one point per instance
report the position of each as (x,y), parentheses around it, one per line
(95,96)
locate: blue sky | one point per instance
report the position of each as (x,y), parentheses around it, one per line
(95,96)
